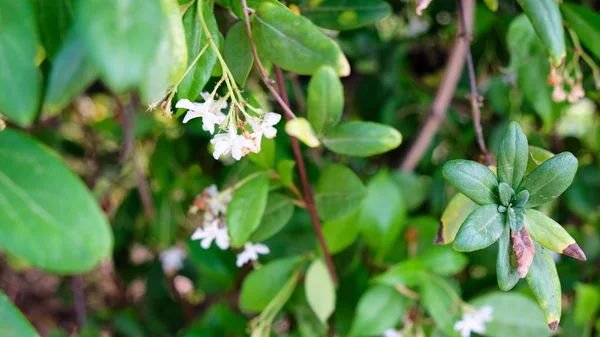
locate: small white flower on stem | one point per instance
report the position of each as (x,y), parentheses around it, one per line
(172,259)
(576,93)
(266,125)
(251,252)
(210,232)
(217,204)
(230,142)
(209,110)
(392,333)
(474,321)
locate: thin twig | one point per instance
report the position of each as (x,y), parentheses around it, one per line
(298,94)
(78,301)
(308,195)
(474,96)
(129,151)
(443,96)
(263,73)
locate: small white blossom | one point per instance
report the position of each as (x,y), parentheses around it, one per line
(251,252)
(209,110)
(210,232)
(266,125)
(230,142)
(172,259)
(392,333)
(474,321)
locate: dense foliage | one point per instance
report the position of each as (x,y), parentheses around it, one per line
(299,168)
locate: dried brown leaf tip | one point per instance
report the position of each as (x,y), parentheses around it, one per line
(523,249)
(573,250)
(439,238)
(553,325)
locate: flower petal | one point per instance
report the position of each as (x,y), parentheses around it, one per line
(185,104)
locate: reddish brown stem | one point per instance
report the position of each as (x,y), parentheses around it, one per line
(308,195)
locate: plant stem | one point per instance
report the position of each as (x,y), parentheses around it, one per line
(308,195)
(443,97)
(78,301)
(474,96)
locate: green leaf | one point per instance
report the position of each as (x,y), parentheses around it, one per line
(545,284)
(587,302)
(522,42)
(491,4)
(362,139)
(527,321)
(325,100)
(418,187)
(506,266)
(454,216)
(294,43)
(473,180)
(443,260)
(339,192)
(20,83)
(531,73)
(346,14)
(409,273)
(54,18)
(551,235)
(193,83)
(263,284)
(512,156)
(71,74)
(13,323)
(171,57)
(547,22)
(506,193)
(537,156)
(278,213)
(301,129)
(46,212)
(320,290)
(379,309)
(382,214)
(481,228)
(266,157)
(340,233)
(285,169)
(521,198)
(550,179)
(586,23)
(515,218)
(121,38)
(439,299)
(238,53)
(247,207)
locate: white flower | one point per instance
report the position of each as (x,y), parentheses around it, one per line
(265,126)
(392,333)
(216,203)
(230,142)
(172,259)
(474,321)
(210,232)
(209,110)
(250,253)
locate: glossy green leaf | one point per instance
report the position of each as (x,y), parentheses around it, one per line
(193,83)
(362,139)
(294,43)
(340,233)
(121,38)
(545,285)
(481,228)
(339,192)
(278,213)
(238,53)
(551,235)
(71,74)
(20,82)
(527,321)
(438,298)
(346,14)
(13,323)
(325,100)
(247,207)
(54,18)
(505,193)
(533,71)
(266,157)
(285,169)
(550,179)
(547,22)
(515,217)
(473,180)
(586,23)
(506,265)
(513,154)
(454,216)
(382,214)
(409,273)
(320,290)
(587,302)
(537,156)
(379,309)
(45,208)
(521,198)
(443,260)
(263,284)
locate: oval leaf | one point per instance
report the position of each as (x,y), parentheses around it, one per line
(586,23)
(340,233)
(545,285)
(278,213)
(320,290)
(294,43)
(473,180)
(506,266)
(346,14)
(339,192)
(443,260)
(481,228)
(13,322)
(454,215)
(379,309)
(301,129)
(524,251)
(246,208)
(547,22)
(325,101)
(238,53)
(362,139)
(41,200)
(551,235)
(54,18)
(550,179)
(512,156)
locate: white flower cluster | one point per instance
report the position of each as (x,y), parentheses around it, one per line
(214,227)
(474,321)
(235,138)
